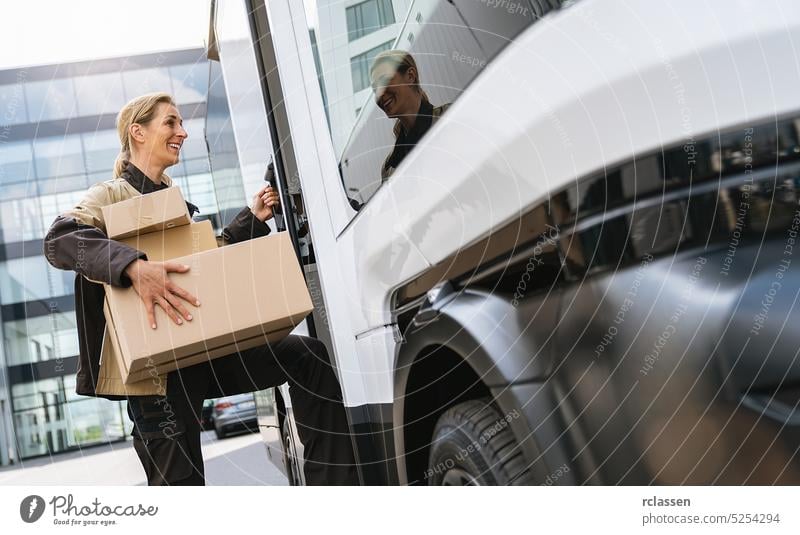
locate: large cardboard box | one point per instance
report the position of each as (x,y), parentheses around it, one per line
(250,293)
(159,246)
(160,210)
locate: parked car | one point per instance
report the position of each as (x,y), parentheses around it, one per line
(234,413)
(207,415)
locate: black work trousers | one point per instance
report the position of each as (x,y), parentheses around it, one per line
(166,431)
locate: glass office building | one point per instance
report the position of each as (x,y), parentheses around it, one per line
(57,137)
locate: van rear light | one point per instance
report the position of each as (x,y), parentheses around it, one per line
(223,405)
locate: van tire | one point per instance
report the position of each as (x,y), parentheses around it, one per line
(473,445)
(289,456)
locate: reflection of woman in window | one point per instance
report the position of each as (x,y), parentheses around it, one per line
(395,82)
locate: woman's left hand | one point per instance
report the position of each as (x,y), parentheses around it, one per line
(263,202)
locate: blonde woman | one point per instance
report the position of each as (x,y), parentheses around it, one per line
(395,82)
(166,428)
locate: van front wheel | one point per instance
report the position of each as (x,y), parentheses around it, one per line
(473,445)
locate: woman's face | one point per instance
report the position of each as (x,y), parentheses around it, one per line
(395,92)
(161,139)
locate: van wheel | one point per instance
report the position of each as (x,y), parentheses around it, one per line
(290,456)
(220,433)
(473,445)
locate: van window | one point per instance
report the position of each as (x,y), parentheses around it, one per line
(389,69)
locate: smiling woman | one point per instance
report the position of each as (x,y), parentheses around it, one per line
(163,409)
(151,134)
(395,81)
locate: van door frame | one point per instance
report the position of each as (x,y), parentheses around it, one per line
(310,152)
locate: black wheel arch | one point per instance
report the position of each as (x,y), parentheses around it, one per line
(478,360)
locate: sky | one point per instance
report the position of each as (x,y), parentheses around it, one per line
(36,32)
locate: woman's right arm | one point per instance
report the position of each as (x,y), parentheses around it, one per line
(77,242)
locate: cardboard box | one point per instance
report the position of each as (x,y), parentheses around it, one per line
(109,377)
(172,243)
(160,210)
(159,246)
(251,293)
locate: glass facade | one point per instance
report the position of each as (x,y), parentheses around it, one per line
(49,417)
(58,138)
(368,17)
(50,99)
(223,157)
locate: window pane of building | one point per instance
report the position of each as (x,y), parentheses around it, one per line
(101,149)
(38,417)
(49,210)
(32,278)
(201,193)
(367,17)
(45,422)
(386,12)
(190,82)
(23,279)
(181,183)
(352,23)
(142,81)
(196,165)
(58,156)
(222,156)
(50,99)
(12,104)
(52,205)
(99,93)
(94,421)
(195,145)
(16,162)
(20,220)
(66,201)
(61,184)
(102,176)
(54,336)
(20,190)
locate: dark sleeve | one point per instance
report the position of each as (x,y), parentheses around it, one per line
(245,226)
(85,249)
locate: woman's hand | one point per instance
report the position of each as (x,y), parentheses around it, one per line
(263,201)
(151,282)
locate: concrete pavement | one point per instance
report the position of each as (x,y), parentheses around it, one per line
(239,460)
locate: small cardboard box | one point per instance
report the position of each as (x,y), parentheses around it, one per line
(160,210)
(251,293)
